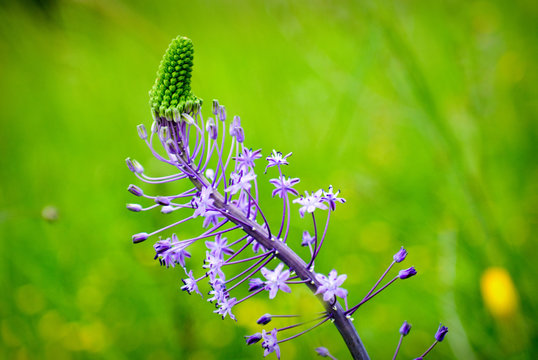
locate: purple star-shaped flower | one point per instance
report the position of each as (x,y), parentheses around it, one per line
(284,186)
(171,252)
(219,247)
(190,284)
(219,290)
(214,264)
(310,203)
(276,280)
(270,343)
(276,159)
(211,217)
(307,239)
(330,286)
(203,202)
(240,182)
(245,160)
(331,198)
(225,308)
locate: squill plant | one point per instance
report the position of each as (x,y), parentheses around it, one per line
(211,156)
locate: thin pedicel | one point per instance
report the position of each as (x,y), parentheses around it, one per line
(223,192)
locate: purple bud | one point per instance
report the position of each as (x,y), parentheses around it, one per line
(236,130)
(240,134)
(211,128)
(164,133)
(171,147)
(161,246)
(142,131)
(167,209)
(222,113)
(134,207)
(253,339)
(323,352)
(400,255)
(215,107)
(406,327)
(255,284)
(419,358)
(188,119)
(135,190)
(264,320)
(441,332)
(407,273)
(137,238)
(134,166)
(162,200)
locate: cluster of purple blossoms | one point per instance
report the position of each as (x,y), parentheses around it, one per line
(246,252)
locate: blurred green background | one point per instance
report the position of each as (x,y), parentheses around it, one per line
(423,113)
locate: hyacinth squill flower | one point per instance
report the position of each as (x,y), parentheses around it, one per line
(246,251)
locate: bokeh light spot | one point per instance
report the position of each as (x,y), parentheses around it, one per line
(498,292)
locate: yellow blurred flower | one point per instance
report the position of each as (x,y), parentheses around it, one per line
(499,293)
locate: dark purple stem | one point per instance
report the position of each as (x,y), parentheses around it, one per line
(429,349)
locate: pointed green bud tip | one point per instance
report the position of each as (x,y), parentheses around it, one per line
(172,90)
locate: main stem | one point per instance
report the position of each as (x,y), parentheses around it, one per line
(292,260)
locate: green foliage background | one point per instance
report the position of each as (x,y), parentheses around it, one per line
(423,114)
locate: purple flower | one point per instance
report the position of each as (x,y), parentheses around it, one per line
(283,186)
(225,308)
(245,160)
(264,319)
(255,284)
(276,280)
(236,130)
(137,238)
(407,273)
(400,255)
(203,202)
(310,203)
(330,286)
(142,133)
(256,246)
(211,218)
(174,254)
(161,246)
(219,291)
(270,343)
(240,182)
(135,190)
(324,352)
(441,332)
(214,264)
(253,339)
(406,327)
(331,198)
(219,247)
(134,207)
(307,239)
(211,129)
(276,159)
(190,284)
(134,166)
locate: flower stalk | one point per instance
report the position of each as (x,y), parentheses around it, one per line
(224,192)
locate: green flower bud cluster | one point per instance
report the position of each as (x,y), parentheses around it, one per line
(171,95)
